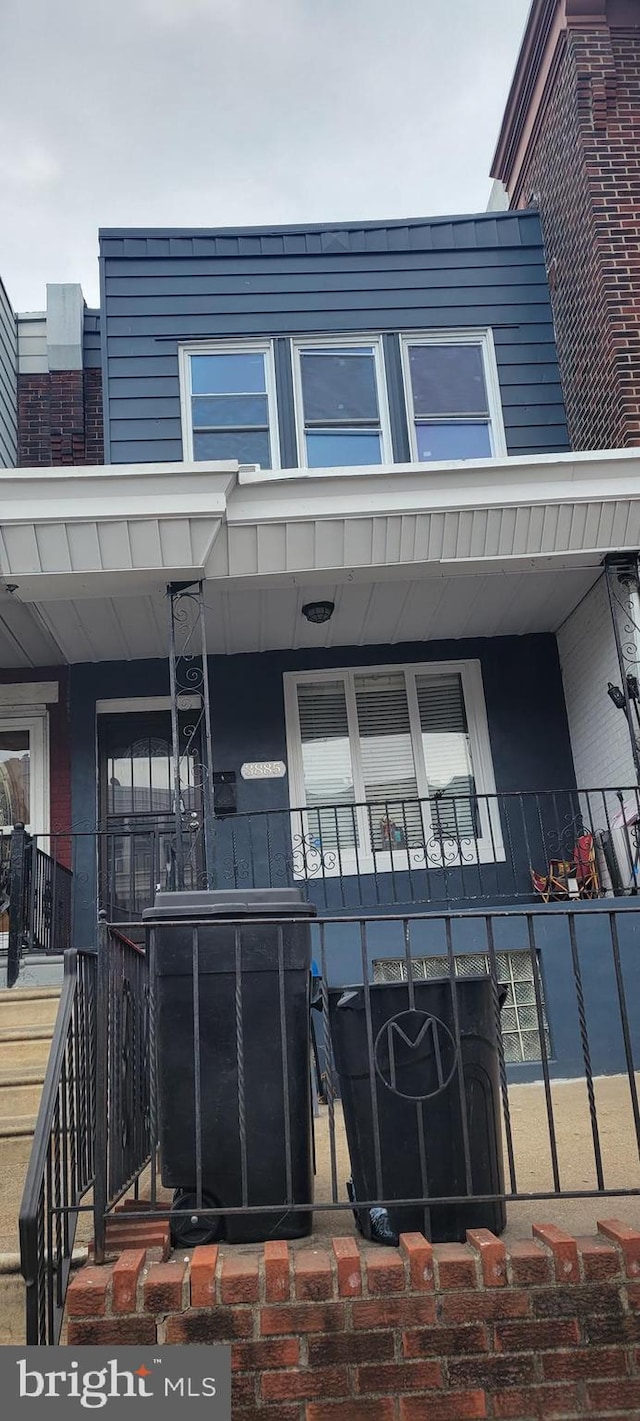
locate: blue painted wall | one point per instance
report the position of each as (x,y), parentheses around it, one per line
(160,288)
(527,727)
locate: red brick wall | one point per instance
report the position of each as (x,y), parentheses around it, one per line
(583,170)
(341,1331)
(60,419)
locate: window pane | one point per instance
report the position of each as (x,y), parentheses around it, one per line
(14,777)
(228,374)
(447,754)
(387,761)
(327,449)
(447,379)
(453,441)
(339,385)
(236,411)
(326,761)
(248,446)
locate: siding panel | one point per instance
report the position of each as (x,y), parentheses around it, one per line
(8,383)
(164,288)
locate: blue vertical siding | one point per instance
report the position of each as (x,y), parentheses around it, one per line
(163,288)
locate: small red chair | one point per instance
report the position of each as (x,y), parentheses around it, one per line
(580,870)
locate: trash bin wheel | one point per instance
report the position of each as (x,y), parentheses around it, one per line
(189,1232)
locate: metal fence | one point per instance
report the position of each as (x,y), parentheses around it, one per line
(39,900)
(62,1163)
(185,1074)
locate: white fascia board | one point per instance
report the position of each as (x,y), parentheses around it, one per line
(129,491)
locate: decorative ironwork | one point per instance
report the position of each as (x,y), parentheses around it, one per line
(192,743)
(623,588)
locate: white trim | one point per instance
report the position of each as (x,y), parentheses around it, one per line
(336,341)
(482,337)
(38,727)
(228,347)
(490,846)
(125,705)
(29,693)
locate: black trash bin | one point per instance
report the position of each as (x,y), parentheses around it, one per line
(277,1157)
(414,1089)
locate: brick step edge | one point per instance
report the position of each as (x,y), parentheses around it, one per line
(342,1268)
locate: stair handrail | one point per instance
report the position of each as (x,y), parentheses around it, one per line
(61,1164)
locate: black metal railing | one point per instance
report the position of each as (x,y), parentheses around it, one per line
(551,996)
(61,1165)
(39,900)
(443,850)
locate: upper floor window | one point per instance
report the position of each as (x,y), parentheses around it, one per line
(229,391)
(341,410)
(452,396)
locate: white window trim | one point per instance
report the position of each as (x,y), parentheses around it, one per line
(490,844)
(37,723)
(481,337)
(329,342)
(228,347)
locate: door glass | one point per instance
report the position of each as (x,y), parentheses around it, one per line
(14,778)
(136,810)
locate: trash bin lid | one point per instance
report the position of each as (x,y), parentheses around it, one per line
(230,903)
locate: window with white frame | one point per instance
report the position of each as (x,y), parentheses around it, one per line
(452,396)
(24,771)
(390,766)
(341,402)
(229,403)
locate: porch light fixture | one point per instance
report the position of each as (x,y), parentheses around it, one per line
(616,695)
(318,612)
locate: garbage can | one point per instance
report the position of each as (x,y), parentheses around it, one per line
(254,1048)
(415,1091)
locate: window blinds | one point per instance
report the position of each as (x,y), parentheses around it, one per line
(388,767)
(447,754)
(326,760)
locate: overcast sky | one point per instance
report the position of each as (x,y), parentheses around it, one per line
(222,112)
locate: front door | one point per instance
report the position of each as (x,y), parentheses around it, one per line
(138,833)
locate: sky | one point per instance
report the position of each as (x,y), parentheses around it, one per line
(217,113)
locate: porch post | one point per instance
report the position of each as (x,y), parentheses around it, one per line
(188,677)
(623,587)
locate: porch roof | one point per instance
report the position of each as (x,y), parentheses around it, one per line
(406,552)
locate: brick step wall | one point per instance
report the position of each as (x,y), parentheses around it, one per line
(346,1331)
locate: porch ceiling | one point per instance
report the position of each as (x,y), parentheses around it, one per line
(270,618)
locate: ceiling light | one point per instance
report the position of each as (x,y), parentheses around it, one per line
(318,612)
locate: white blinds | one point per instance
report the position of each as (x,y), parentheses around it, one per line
(388,766)
(363,743)
(326,761)
(447,753)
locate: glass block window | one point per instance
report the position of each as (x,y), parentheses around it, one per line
(519,1019)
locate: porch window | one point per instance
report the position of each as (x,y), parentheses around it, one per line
(390,767)
(452,395)
(24,772)
(340,398)
(229,403)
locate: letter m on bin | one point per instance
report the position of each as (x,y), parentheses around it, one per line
(415,1055)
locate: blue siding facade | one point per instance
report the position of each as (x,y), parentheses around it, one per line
(160,289)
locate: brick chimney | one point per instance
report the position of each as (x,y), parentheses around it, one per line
(59,383)
(570,143)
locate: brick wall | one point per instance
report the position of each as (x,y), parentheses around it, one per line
(583,170)
(60,419)
(341,1331)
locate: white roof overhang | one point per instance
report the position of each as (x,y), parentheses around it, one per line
(263,542)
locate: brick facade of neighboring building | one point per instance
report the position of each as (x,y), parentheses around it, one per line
(570,142)
(60,419)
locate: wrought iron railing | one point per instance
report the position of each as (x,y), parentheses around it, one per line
(169,1076)
(61,1165)
(39,900)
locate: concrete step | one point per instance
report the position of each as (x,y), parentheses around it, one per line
(28,1006)
(20,1092)
(12,1331)
(15,1149)
(24,1046)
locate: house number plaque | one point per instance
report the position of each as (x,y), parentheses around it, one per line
(263,770)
